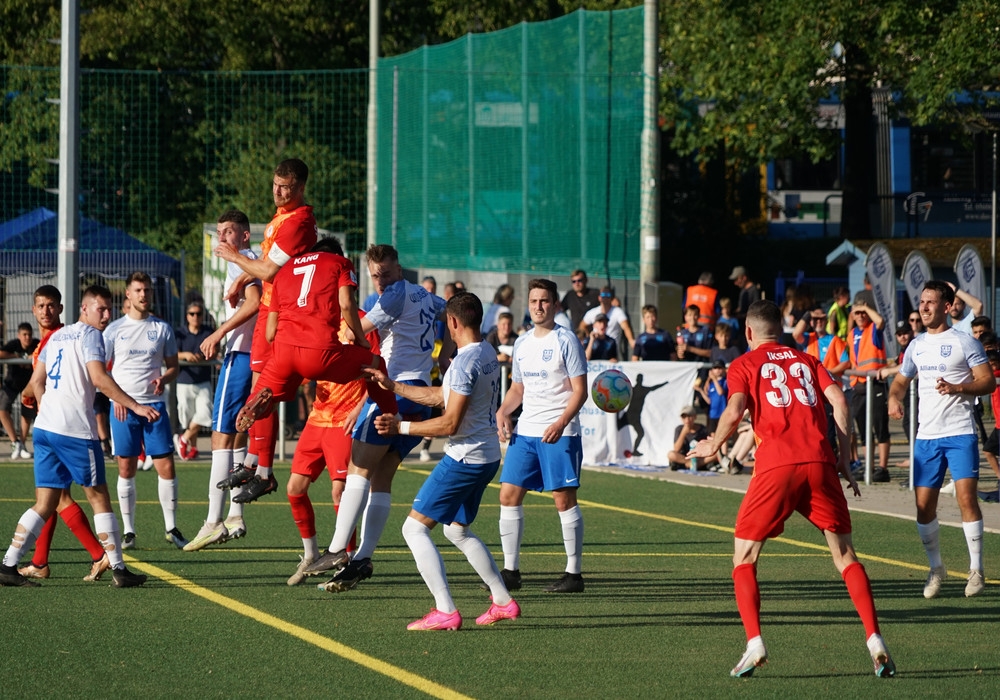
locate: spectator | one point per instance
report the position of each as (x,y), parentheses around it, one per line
(14,383)
(992,447)
(654,343)
(618,324)
(904,334)
(503,336)
(501,302)
(194,383)
(749,292)
(580,299)
(964,310)
(981,324)
(726,317)
(867,354)
(600,346)
(840,313)
(829,349)
(916,323)
(714,392)
(430,284)
(723,351)
(704,295)
(694,342)
(686,436)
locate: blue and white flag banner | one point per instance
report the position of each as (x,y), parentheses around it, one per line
(916,272)
(969,270)
(643,433)
(882,276)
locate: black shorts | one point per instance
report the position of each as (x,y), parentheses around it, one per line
(880,411)
(102,404)
(992,444)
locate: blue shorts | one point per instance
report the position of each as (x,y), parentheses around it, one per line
(128,438)
(454,490)
(365,431)
(539,466)
(61,461)
(231,391)
(958,453)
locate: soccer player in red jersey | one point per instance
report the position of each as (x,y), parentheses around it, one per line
(304,327)
(325,443)
(291,232)
(795,471)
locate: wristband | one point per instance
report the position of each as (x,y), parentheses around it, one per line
(404,427)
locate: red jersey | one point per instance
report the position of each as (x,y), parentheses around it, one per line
(995,398)
(291,232)
(335,401)
(45,338)
(784,394)
(306,295)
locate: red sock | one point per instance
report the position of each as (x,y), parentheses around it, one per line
(76,521)
(303,514)
(353,544)
(265,437)
(860,589)
(44,542)
(748,598)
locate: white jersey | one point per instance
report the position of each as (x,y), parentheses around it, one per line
(615,318)
(240,338)
(949,355)
(545,365)
(404,316)
(67,408)
(474,372)
(137,349)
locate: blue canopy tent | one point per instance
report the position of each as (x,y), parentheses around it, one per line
(29,245)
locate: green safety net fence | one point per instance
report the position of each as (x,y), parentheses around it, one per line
(517,150)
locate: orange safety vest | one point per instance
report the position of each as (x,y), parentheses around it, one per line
(868,358)
(703,297)
(834,351)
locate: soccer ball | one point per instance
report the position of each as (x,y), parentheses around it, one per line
(611,390)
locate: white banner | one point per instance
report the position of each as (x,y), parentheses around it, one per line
(969,270)
(643,433)
(916,272)
(882,276)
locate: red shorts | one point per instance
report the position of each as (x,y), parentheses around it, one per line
(322,448)
(812,489)
(260,349)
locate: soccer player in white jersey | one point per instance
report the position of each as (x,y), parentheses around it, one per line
(549,377)
(952,370)
(453,491)
(404,316)
(232,389)
(67,449)
(142,353)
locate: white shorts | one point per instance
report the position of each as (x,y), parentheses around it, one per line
(194,405)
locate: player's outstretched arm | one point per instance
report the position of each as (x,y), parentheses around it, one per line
(728,422)
(444,425)
(251,302)
(109,387)
(425,395)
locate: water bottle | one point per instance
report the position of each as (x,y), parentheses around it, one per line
(694,460)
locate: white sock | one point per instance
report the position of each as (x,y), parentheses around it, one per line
(351,504)
(310,547)
(249,460)
(373,523)
(106,529)
(167,489)
(222,461)
(480,558)
(126,503)
(572,528)
(974,538)
(31,524)
(429,563)
(264,472)
(929,536)
(511,532)
(240,455)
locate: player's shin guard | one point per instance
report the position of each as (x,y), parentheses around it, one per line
(511,531)
(26,532)
(974,539)
(106,525)
(480,559)
(747,598)
(76,521)
(429,563)
(126,502)
(373,523)
(572,529)
(303,514)
(167,491)
(352,502)
(860,590)
(222,462)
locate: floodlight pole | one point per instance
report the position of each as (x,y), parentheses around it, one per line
(372,162)
(68,219)
(649,210)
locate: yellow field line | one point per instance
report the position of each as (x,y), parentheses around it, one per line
(345,652)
